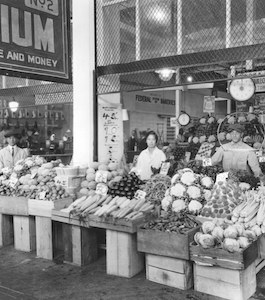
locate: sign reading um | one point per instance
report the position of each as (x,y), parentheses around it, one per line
(34,39)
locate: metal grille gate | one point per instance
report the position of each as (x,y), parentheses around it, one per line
(198,38)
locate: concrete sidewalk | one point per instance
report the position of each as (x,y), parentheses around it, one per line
(25,277)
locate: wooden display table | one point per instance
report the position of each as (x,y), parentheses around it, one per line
(41,209)
(16,226)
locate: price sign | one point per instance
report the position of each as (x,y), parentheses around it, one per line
(12,182)
(164,168)
(221,177)
(139,195)
(61,180)
(207,162)
(101,176)
(42,195)
(262,159)
(101,189)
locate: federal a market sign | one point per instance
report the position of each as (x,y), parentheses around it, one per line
(34,39)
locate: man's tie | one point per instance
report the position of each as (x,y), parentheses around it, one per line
(12,151)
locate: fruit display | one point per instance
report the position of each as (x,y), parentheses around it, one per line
(211,171)
(33,178)
(126,186)
(103,206)
(244,176)
(224,197)
(180,222)
(230,237)
(251,212)
(113,174)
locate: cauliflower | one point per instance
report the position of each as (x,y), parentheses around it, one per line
(194,192)
(203,120)
(166,202)
(194,206)
(188,178)
(231,245)
(202,139)
(29,163)
(241,119)
(211,139)
(178,205)
(207,182)
(231,120)
(178,190)
(221,136)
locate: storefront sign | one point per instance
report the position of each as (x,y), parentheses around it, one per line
(259,81)
(208,104)
(110,132)
(154,100)
(44,99)
(242,106)
(34,39)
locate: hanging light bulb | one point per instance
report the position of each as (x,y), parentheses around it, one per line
(165,74)
(13,105)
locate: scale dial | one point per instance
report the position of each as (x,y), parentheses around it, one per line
(242,89)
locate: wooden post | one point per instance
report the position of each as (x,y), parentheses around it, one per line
(6,230)
(24,233)
(44,237)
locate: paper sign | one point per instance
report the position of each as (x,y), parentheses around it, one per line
(164,168)
(221,177)
(61,180)
(173,122)
(12,182)
(209,104)
(139,195)
(101,189)
(101,176)
(206,162)
(42,195)
(262,159)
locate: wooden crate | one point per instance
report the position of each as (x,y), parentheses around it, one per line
(6,230)
(24,233)
(43,208)
(177,273)
(225,283)
(165,243)
(14,206)
(79,242)
(123,259)
(114,224)
(223,258)
(260,264)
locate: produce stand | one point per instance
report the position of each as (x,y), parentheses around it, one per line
(16,226)
(75,238)
(41,210)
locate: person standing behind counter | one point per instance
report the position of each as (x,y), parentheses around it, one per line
(237,154)
(150,157)
(11,153)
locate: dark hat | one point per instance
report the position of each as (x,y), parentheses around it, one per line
(237,127)
(13,132)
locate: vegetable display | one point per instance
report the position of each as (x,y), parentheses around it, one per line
(180,222)
(244,176)
(211,171)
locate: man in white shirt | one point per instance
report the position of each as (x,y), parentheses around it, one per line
(11,153)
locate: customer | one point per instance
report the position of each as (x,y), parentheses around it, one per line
(11,153)
(150,157)
(142,143)
(236,154)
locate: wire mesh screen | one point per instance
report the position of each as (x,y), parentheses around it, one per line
(197,38)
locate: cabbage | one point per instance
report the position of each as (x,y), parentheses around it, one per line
(243,242)
(207,227)
(178,205)
(165,203)
(197,237)
(240,228)
(218,234)
(251,235)
(231,232)
(231,245)
(206,240)
(194,206)
(256,229)
(207,182)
